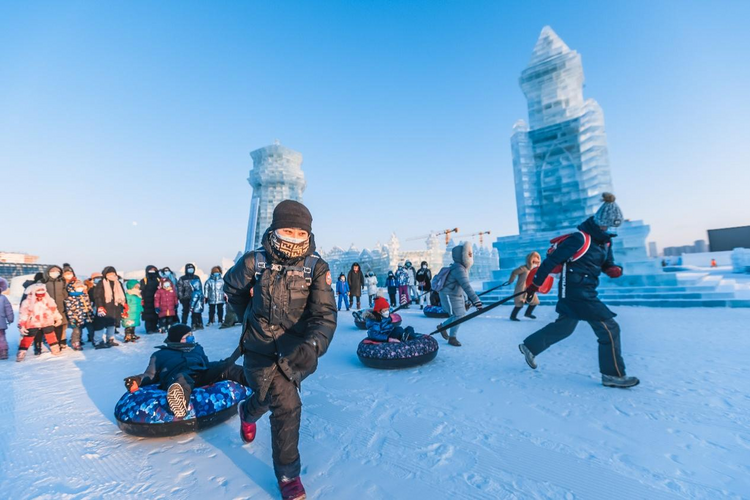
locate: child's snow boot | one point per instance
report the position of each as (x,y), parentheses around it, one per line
(528,355)
(247,430)
(176,400)
(20,356)
(102,345)
(514,314)
(54,349)
(454,342)
(292,489)
(621,382)
(4,354)
(111,342)
(530,310)
(76,346)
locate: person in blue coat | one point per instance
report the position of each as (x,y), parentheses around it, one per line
(181,365)
(582,257)
(342,290)
(380,327)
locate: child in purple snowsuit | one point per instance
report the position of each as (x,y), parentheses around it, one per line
(6,318)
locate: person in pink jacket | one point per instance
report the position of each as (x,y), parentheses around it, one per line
(38,314)
(165,304)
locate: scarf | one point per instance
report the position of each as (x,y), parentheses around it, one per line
(119,296)
(286,250)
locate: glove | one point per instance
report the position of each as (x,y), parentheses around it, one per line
(479,304)
(157,309)
(133,383)
(613,271)
(101,312)
(303,358)
(530,292)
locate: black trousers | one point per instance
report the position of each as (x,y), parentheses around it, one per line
(607,333)
(166,322)
(392,295)
(151,324)
(216,372)
(283,400)
(212,308)
(185,311)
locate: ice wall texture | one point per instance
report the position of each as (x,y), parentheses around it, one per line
(276,176)
(560,159)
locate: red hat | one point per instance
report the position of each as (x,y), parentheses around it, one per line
(380,304)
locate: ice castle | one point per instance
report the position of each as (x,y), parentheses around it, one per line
(561,168)
(276,176)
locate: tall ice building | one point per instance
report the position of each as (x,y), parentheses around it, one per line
(276,176)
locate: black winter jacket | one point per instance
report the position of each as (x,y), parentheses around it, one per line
(578,298)
(56,288)
(149,286)
(174,358)
(356,280)
(184,288)
(424,279)
(284,310)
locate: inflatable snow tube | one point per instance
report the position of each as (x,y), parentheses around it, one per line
(435,312)
(359,322)
(145,412)
(393,355)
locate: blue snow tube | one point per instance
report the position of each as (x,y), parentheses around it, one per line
(435,312)
(391,355)
(359,321)
(145,412)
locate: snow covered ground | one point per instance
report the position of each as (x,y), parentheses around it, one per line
(475,423)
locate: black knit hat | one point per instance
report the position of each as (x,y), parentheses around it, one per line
(176,332)
(291,214)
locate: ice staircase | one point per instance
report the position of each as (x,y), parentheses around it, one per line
(686,290)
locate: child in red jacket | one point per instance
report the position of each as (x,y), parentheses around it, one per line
(165,304)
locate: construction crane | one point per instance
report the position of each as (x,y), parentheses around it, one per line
(481,236)
(446,232)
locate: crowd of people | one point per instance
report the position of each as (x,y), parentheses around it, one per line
(57,300)
(405,286)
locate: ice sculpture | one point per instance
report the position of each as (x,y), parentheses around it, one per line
(276,176)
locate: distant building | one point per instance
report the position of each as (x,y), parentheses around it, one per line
(653,252)
(729,238)
(699,246)
(276,176)
(13,264)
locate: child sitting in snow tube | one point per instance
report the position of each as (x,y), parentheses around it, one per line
(360,317)
(435,312)
(170,397)
(390,346)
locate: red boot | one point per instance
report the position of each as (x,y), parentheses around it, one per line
(292,489)
(247,431)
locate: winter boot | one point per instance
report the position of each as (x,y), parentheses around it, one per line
(292,489)
(21,355)
(528,355)
(54,349)
(76,346)
(454,342)
(102,345)
(37,350)
(443,333)
(514,314)
(4,354)
(111,342)
(247,430)
(530,310)
(621,382)
(176,400)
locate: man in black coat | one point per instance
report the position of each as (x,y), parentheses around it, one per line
(283,293)
(582,257)
(149,286)
(356,280)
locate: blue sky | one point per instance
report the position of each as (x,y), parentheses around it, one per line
(115,112)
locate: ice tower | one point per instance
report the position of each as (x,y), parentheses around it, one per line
(276,176)
(560,161)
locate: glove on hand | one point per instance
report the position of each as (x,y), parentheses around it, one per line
(133,383)
(303,358)
(613,272)
(530,292)
(479,304)
(101,312)
(157,310)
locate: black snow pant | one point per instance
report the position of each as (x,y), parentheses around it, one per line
(185,311)
(216,372)
(196,321)
(166,322)
(392,295)
(60,333)
(151,324)
(230,319)
(607,333)
(212,309)
(284,402)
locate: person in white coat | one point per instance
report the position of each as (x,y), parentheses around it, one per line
(371,281)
